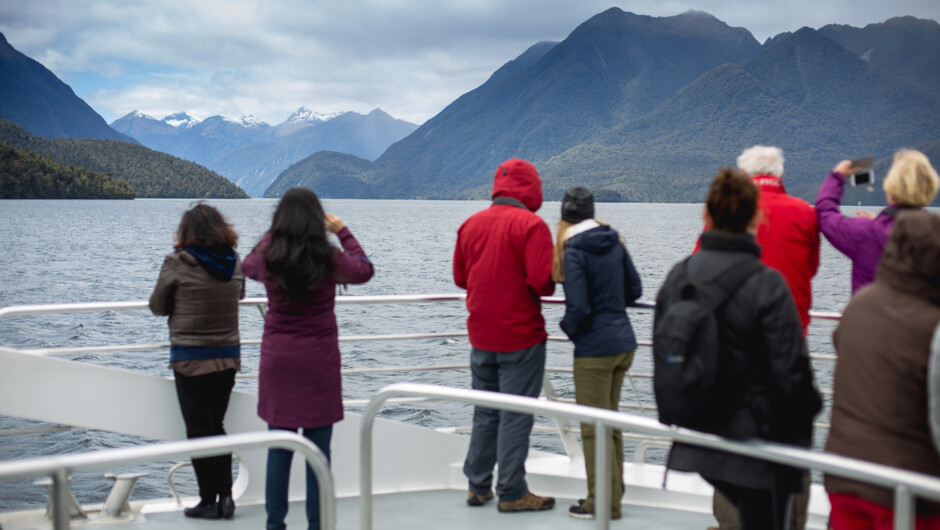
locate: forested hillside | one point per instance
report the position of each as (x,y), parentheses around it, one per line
(149,173)
(25,175)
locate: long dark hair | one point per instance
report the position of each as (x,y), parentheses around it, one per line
(203,225)
(299,254)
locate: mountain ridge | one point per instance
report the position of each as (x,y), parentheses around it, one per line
(649,125)
(32,96)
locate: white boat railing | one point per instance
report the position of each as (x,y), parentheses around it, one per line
(565,432)
(907,485)
(59,467)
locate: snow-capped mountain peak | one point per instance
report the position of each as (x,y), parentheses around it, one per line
(180,119)
(246,121)
(305,115)
(138,115)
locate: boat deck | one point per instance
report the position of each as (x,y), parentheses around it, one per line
(437,510)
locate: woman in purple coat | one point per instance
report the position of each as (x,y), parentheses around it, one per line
(299,384)
(911,183)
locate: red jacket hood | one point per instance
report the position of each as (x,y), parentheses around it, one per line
(518,179)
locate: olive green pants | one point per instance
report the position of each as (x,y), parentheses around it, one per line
(597,383)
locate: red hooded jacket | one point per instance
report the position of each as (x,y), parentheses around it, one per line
(503,259)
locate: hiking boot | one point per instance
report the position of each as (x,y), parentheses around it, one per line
(578,512)
(529,503)
(478,499)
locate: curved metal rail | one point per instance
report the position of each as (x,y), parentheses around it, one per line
(59,467)
(907,485)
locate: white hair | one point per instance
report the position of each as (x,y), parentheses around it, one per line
(761,160)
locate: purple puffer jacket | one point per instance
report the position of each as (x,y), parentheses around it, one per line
(861,240)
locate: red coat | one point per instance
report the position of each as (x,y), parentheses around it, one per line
(503,259)
(789,240)
(789,235)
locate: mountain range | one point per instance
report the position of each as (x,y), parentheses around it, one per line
(637,108)
(646,109)
(252,153)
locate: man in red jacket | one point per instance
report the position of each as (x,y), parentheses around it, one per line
(503,259)
(789,233)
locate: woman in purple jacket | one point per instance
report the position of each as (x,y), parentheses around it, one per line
(299,384)
(911,183)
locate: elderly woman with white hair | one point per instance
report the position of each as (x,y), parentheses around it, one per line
(911,183)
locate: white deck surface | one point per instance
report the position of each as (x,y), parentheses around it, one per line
(438,510)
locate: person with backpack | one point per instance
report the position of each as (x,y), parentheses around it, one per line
(729,358)
(593,265)
(789,239)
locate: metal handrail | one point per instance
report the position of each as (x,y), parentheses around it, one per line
(86,307)
(906,484)
(59,467)
(261,303)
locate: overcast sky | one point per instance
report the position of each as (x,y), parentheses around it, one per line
(266,58)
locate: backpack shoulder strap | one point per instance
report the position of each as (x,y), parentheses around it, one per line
(735,278)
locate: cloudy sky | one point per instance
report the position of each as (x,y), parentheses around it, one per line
(266,58)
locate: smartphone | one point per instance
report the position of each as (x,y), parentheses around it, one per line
(863,178)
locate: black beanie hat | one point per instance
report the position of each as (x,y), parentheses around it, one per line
(577,205)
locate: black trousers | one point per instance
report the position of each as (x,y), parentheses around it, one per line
(759,509)
(203,401)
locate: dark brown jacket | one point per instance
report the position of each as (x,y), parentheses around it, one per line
(203,310)
(879,410)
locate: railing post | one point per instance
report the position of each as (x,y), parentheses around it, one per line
(903,508)
(568,440)
(365,461)
(602,475)
(60,499)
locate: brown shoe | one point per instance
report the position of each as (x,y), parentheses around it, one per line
(478,499)
(529,503)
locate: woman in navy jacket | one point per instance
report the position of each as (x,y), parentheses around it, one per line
(599,281)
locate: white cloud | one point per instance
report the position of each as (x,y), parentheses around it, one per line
(267,58)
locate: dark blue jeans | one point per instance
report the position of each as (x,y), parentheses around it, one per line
(502,436)
(278,480)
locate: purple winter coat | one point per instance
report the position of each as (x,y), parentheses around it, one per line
(299,381)
(861,240)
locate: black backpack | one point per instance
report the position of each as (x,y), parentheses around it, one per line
(688,342)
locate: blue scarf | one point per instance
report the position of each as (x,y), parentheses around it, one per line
(219,266)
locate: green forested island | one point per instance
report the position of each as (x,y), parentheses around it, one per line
(25,175)
(144,172)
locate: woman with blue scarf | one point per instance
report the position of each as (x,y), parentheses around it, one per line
(199,287)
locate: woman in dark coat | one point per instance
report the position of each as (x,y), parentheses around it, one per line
(767,385)
(199,287)
(299,385)
(599,280)
(880,399)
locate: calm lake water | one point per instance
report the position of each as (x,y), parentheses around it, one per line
(83,251)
